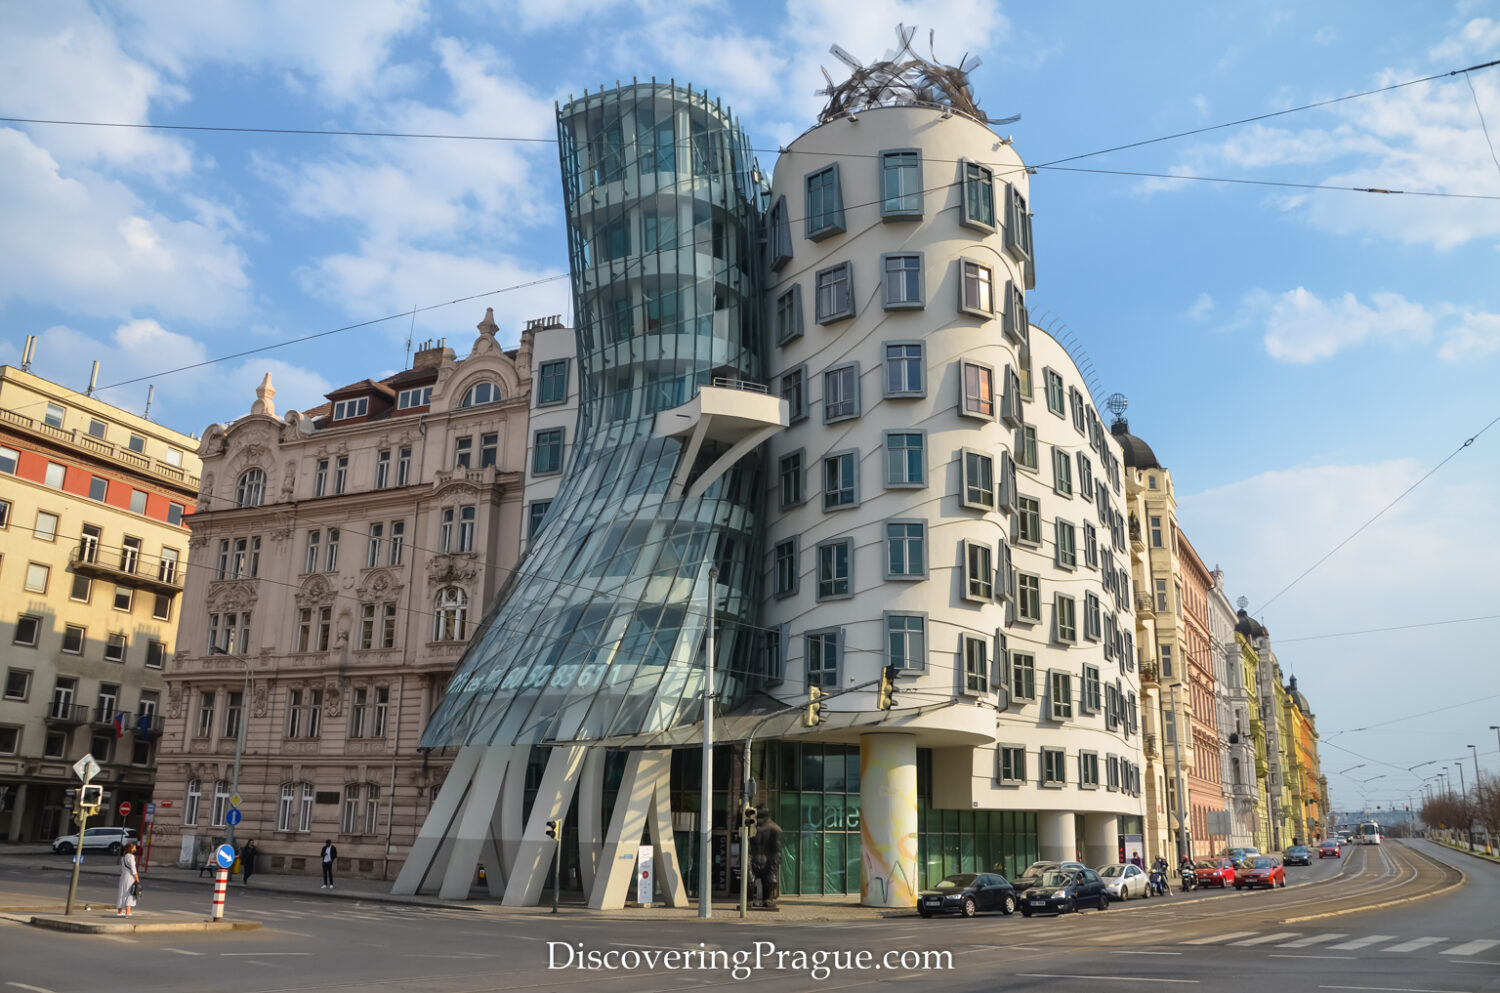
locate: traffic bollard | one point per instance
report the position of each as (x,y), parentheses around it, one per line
(221,884)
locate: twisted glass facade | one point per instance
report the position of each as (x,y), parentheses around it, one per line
(596,634)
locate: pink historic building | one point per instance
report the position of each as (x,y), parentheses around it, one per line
(341,559)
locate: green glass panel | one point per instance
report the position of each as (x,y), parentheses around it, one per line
(950,822)
(833,771)
(851,771)
(812,768)
(851,812)
(811,874)
(833,862)
(951,859)
(791,859)
(854,864)
(966,853)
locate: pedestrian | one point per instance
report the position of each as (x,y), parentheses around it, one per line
(130,882)
(247,861)
(329,854)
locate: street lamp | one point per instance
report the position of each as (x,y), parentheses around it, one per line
(1350,769)
(239,744)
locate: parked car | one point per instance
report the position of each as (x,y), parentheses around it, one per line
(108,839)
(1063,891)
(1215,872)
(1298,855)
(968,893)
(1330,848)
(1037,870)
(1263,870)
(1124,881)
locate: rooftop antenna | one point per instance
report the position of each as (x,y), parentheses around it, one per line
(150,395)
(29,353)
(407,361)
(93,379)
(1117,405)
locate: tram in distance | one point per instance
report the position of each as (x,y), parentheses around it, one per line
(1369,833)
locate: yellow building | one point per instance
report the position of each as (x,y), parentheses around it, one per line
(1309,784)
(93,546)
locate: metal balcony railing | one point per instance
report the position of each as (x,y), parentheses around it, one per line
(105,716)
(72,714)
(163,575)
(82,439)
(147,725)
(739,384)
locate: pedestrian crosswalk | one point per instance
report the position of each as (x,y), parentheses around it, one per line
(1383,943)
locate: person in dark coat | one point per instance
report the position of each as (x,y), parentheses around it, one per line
(247,861)
(329,854)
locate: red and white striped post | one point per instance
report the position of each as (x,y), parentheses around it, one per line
(221,884)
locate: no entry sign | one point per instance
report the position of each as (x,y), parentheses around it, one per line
(124,808)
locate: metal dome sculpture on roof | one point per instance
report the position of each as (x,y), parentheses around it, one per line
(903,79)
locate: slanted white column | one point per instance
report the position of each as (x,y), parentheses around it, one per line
(423,859)
(534,855)
(1101,844)
(668,870)
(474,841)
(590,818)
(888,820)
(1055,836)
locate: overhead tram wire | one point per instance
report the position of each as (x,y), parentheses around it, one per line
(1277,183)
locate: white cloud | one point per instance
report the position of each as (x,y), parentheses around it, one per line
(1300,327)
(1475,336)
(88,244)
(1479,38)
(1200,104)
(1201,307)
(1325,36)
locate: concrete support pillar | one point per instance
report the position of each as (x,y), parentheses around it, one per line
(888,820)
(590,818)
(473,839)
(641,803)
(18,813)
(1101,843)
(424,858)
(1055,836)
(534,855)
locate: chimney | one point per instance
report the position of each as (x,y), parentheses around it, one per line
(432,354)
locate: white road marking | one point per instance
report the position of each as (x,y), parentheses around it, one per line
(1413,945)
(120,938)
(181,951)
(1316,939)
(1472,948)
(1368,939)
(34,989)
(1344,958)
(1118,979)
(1147,953)
(1219,937)
(1389,989)
(249,954)
(1267,938)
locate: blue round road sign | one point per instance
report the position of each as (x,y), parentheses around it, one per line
(224,855)
(232,816)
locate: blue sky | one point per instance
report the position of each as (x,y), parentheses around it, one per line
(1297,358)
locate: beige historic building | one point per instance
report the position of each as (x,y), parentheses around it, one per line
(93,548)
(1205,776)
(347,554)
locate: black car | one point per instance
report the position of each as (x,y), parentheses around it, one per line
(1297,855)
(1063,891)
(968,893)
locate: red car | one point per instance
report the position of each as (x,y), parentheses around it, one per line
(1330,849)
(1215,872)
(1263,870)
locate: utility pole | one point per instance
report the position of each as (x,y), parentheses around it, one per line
(1463,804)
(706,808)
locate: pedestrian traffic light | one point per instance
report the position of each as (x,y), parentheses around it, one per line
(886,699)
(814,707)
(552,830)
(91,798)
(749,816)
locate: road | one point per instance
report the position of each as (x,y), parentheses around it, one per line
(1449,943)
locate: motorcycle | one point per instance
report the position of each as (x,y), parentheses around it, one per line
(1189,879)
(1157,881)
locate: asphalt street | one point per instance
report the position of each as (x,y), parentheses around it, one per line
(1448,943)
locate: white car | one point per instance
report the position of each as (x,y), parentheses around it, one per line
(106,839)
(1124,881)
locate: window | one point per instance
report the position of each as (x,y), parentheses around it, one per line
(357,407)
(97,429)
(906,641)
(205,725)
(234,707)
(979,571)
(822,649)
(1017,225)
(905,462)
(489,449)
(979,391)
(466,522)
(792,477)
(53,417)
(419,396)
(1026,447)
(1066,545)
(36,577)
(451,615)
(1028,597)
(124,598)
(978,480)
(976,652)
(4,514)
(835,293)
(331,557)
(785,556)
(901,285)
(1090,546)
(778,236)
(659,227)
(56,475)
(250,492)
(547,452)
(398,541)
(174,514)
(1054,384)
(372,548)
(114,648)
(156,654)
(905,550)
(83,586)
(10,740)
(190,804)
(361,809)
(1023,675)
(903,369)
(1054,773)
(320,478)
(388,626)
(463,453)
(979,197)
(976,290)
(554,383)
(310,560)
(535,514)
(1012,764)
(1088,770)
(1066,612)
(1028,521)
(403,467)
(1166,661)
(445,530)
(1161,596)
(46,526)
(98,488)
(1093,625)
(825,204)
(1075,404)
(1156,538)
(789,314)
(17,684)
(835,568)
(9,457)
(1169,726)
(901,184)
(1062,472)
(1092,692)
(794,392)
(841,480)
(480,394)
(840,393)
(294,813)
(1060,695)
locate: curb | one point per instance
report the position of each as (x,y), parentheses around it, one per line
(1491,859)
(80,927)
(1463,879)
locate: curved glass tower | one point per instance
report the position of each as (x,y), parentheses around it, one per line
(597,633)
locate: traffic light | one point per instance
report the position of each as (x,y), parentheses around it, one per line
(749,817)
(552,828)
(91,798)
(814,707)
(886,699)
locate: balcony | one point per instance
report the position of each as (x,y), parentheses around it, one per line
(733,415)
(148,726)
(129,568)
(1144,604)
(1148,671)
(66,715)
(104,717)
(1149,744)
(174,476)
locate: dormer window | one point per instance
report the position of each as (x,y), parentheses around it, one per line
(419,397)
(481,393)
(358,407)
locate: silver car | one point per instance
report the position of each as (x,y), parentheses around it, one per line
(1124,881)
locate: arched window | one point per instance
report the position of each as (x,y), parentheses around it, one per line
(221,803)
(294,813)
(481,393)
(451,615)
(1234,765)
(190,805)
(251,491)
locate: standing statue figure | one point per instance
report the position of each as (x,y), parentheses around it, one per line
(765,858)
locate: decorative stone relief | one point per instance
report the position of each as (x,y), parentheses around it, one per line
(235,595)
(174,700)
(315,592)
(378,584)
(259,701)
(446,570)
(333,700)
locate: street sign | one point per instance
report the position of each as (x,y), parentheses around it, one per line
(232,816)
(224,855)
(234,801)
(124,808)
(150,808)
(86,768)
